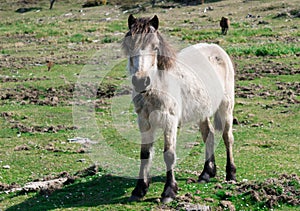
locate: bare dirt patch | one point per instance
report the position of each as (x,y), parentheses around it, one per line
(284,189)
(53,96)
(285,94)
(271,193)
(49,129)
(268,68)
(13,79)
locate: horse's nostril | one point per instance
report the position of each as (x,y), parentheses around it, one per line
(147,81)
(134,80)
(140,84)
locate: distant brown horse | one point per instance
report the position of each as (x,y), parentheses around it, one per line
(224,23)
(171,89)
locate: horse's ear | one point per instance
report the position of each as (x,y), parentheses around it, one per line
(154,22)
(131,21)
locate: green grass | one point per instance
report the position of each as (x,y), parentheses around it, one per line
(82,46)
(265,49)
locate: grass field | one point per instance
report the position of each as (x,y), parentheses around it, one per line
(86,94)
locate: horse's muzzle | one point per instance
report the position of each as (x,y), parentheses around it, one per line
(140,83)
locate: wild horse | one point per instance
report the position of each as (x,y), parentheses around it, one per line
(170,89)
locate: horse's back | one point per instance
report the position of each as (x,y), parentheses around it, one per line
(217,58)
(221,63)
(208,77)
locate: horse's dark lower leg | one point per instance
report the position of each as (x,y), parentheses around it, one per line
(209,169)
(228,140)
(170,189)
(144,178)
(51,4)
(225,31)
(140,190)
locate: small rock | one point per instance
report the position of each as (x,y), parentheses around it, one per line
(189,195)
(256,125)
(22,147)
(227,204)
(218,186)
(272,201)
(68,14)
(197,198)
(263,22)
(54,100)
(81,160)
(255,196)
(6,167)
(209,199)
(251,115)
(228,194)
(191,180)
(81,150)
(190,206)
(157,200)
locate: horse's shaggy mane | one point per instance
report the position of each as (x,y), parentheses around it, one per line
(140,35)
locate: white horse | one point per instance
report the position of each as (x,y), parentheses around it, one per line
(170,89)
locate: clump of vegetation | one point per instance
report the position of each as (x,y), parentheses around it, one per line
(93,3)
(270,49)
(76,38)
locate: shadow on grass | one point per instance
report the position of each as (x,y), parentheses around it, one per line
(104,190)
(23,10)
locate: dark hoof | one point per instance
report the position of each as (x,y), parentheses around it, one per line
(133,198)
(209,171)
(230,178)
(169,193)
(204,178)
(166,200)
(230,173)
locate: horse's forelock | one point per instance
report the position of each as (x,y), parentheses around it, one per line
(141,34)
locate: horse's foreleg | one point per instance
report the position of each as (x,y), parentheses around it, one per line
(146,157)
(209,169)
(170,189)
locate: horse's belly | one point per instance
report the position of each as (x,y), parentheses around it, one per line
(196,107)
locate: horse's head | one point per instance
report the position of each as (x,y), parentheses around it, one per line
(146,51)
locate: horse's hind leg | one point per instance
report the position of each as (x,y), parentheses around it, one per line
(226,115)
(228,140)
(146,158)
(223,122)
(209,170)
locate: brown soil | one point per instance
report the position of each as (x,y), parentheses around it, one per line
(271,192)
(267,68)
(284,189)
(53,96)
(285,94)
(49,129)
(5,187)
